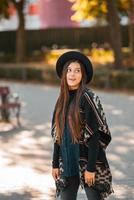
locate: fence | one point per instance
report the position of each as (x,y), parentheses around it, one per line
(70,37)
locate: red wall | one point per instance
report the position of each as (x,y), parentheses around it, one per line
(56,13)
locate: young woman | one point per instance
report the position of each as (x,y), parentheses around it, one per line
(80,133)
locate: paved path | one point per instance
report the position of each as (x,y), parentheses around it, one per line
(25,153)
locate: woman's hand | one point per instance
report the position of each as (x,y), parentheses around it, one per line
(55,173)
(89,177)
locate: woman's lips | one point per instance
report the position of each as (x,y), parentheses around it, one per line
(71,79)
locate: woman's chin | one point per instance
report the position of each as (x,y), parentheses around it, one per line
(72,87)
(71,84)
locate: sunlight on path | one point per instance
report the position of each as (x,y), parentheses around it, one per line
(25,163)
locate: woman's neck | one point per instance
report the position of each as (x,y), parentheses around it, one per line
(73,91)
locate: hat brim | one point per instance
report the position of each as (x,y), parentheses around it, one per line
(75,55)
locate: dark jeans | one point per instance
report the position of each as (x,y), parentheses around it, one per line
(70,192)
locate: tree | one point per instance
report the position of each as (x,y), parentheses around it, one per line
(131,27)
(102,10)
(126,8)
(21,33)
(3,9)
(113,19)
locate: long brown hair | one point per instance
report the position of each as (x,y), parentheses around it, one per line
(61,106)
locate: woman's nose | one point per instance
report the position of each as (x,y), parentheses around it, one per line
(72,73)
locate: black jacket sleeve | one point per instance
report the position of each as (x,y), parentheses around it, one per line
(56,147)
(55,162)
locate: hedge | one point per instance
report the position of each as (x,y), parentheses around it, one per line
(103,78)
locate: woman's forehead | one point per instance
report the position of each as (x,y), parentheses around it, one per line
(74,65)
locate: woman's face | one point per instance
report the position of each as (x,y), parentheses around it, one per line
(74,75)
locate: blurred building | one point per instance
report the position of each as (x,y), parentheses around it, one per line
(56,13)
(33,14)
(41,14)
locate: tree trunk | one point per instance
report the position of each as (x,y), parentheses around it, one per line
(113,20)
(20,34)
(131,28)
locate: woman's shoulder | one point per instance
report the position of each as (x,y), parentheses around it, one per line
(89,97)
(88,93)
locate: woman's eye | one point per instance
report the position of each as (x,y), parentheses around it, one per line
(69,70)
(75,71)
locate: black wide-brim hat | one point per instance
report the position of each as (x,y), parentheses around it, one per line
(75,55)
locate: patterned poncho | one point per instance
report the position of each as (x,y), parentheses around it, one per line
(93,120)
(90,106)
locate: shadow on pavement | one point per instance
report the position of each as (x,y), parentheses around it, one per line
(25,162)
(16,196)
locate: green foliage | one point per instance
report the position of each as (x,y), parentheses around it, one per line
(103,77)
(17,73)
(88,9)
(116,79)
(122,79)
(29,74)
(4,5)
(85,9)
(124,7)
